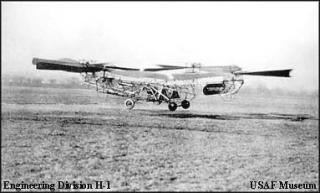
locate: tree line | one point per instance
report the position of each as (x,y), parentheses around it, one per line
(15,80)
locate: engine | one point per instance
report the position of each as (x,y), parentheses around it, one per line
(212,89)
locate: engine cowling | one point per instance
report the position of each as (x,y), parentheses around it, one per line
(212,89)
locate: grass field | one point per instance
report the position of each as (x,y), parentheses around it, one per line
(78,134)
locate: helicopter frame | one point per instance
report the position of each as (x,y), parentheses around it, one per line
(176,95)
(157,92)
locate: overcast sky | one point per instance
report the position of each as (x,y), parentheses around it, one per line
(252,35)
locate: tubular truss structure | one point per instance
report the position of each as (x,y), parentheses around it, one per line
(142,90)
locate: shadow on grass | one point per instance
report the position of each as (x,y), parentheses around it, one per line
(273,116)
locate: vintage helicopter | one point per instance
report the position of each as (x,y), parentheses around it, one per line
(175,85)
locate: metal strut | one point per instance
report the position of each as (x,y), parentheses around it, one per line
(232,87)
(142,90)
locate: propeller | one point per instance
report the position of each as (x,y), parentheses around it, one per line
(71,65)
(66,65)
(172,67)
(224,69)
(278,73)
(163,67)
(108,66)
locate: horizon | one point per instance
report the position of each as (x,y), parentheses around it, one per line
(67,80)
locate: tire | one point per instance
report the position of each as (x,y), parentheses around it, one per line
(185,104)
(172,106)
(129,103)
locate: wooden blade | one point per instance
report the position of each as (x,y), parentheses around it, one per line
(169,66)
(278,73)
(163,68)
(214,69)
(70,66)
(121,68)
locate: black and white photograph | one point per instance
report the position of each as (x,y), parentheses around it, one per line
(159,96)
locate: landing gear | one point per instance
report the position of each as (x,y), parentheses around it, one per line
(172,106)
(129,103)
(185,104)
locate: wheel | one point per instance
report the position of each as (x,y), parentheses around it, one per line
(129,103)
(172,106)
(185,104)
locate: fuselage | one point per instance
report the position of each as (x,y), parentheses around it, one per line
(212,80)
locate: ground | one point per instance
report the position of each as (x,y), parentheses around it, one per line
(76,134)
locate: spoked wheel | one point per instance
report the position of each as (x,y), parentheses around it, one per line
(129,103)
(172,106)
(185,104)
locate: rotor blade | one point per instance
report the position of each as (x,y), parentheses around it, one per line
(164,68)
(278,73)
(70,66)
(215,69)
(169,66)
(121,68)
